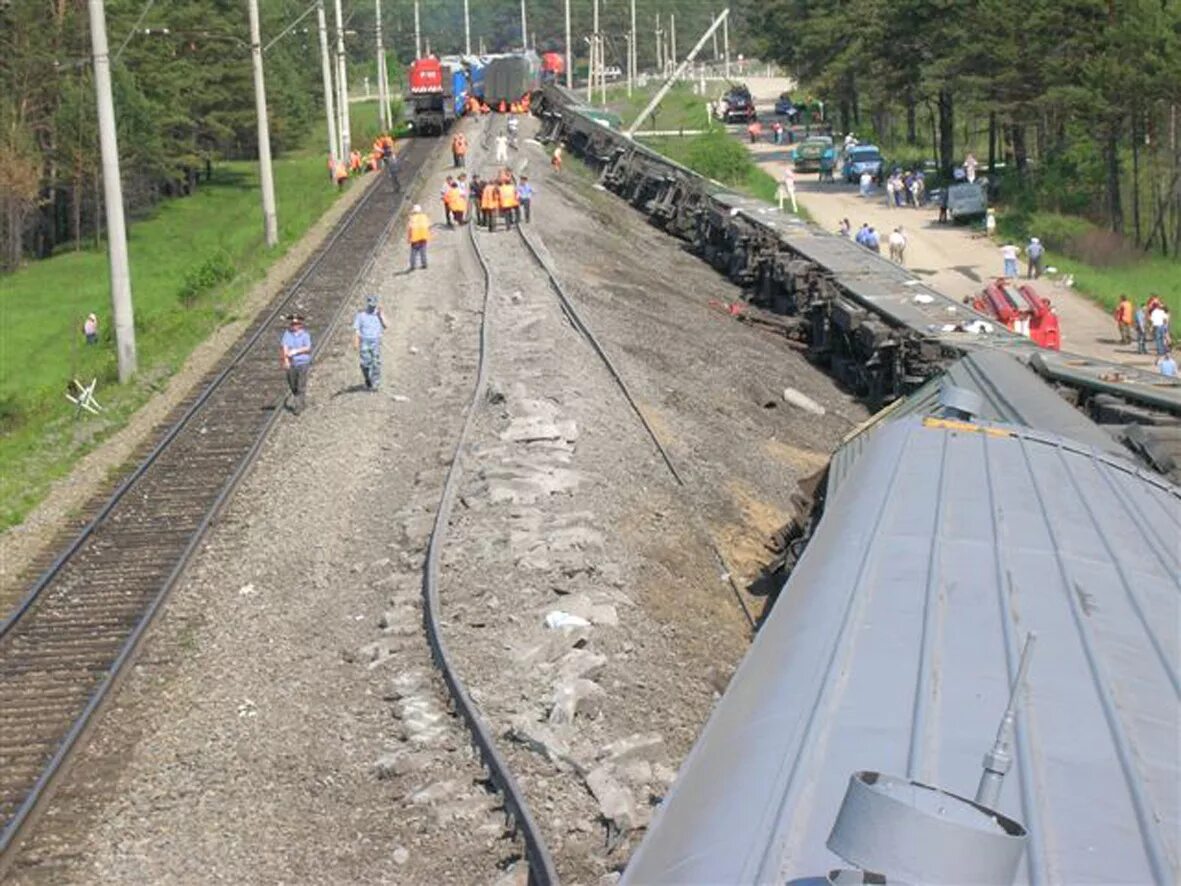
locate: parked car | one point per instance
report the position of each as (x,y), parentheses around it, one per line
(807,155)
(612,72)
(967,200)
(786,108)
(862,158)
(739,106)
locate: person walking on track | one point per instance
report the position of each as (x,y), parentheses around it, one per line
(368,326)
(295,356)
(525,197)
(459,150)
(490,203)
(418,234)
(508,201)
(455,202)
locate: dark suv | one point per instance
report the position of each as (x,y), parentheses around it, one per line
(740,106)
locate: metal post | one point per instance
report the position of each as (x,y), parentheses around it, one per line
(467,28)
(628,39)
(524,28)
(999,757)
(668,84)
(632,54)
(417,32)
(382,105)
(659,57)
(672,34)
(326,72)
(342,86)
(715,46)
(726,46)
(598,59)
(569,56)
(270,226)
(121,304)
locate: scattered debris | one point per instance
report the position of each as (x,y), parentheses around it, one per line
(802,401)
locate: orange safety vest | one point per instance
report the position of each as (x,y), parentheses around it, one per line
(342,171)
(457,202)
(489,197)
(354,160)
(419,228)
(1123,313)
(459,145)
(508,195)
(500,107)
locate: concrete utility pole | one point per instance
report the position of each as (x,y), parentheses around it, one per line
(326,72)
(383,107)
(467,27)
(269,224)
(417,32)
(715,45)
(659,57)
(631,47)
(342,86)
(672,34)
(668,84)
(569,57)
(121,305)
(726,43)
(524,28)
(596,57)
(628,40)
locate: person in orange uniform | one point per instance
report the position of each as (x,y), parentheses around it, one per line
(459,150)
(418,234)
(490,204)
(508,200)
(354,160)
(1124,314)
(556,160)
(456,204)
(342,173)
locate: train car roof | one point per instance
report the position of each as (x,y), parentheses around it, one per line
(892,648)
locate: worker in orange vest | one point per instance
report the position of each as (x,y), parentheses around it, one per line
(342,173)
(459,150)
(556,160)
(418,234)
(456,204)
(509,206)
(500,107)
(490,204)
(354,160)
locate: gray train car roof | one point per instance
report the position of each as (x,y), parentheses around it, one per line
(1009,392)
(893,644)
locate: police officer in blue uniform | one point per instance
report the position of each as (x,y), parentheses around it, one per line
(295,352)
(368,326)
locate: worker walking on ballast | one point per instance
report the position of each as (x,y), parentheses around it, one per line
(418,234)
(490,204)
(368,326)
(295,356)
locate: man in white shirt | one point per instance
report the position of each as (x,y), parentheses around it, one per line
(787,189)
(898,245)
(1158,318)
(502,148)
(1009,254)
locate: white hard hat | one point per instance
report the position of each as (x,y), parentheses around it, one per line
(416,208)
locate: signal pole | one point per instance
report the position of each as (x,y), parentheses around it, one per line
(726,45)
(659,58)
(326,73)
(524,29)
(672,34)
(569,57)
(467,28)
(121,304)
(342,86)
(269,224)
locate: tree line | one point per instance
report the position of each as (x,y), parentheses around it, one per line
(1079,99)
(183,98)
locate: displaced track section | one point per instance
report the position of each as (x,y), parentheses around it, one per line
(63,647)
(541,866)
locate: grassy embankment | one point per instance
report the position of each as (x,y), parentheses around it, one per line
(192,263)
(714,154)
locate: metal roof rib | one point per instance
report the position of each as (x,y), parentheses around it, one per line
(1103,686)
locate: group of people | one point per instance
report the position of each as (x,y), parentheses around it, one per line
(1011,253)
(907,188)
(1149,321)
(505,196)
(868,237)
(381,154)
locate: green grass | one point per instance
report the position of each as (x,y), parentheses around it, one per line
(680,109)
(1066,239)
(192,263)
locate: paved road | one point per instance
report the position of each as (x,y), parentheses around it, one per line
(953,259)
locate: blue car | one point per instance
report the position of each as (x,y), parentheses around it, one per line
(863,158)
(785,107)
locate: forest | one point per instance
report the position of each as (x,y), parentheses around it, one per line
(1075,105)
(183,92)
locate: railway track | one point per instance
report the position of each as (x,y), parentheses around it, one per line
(65,644)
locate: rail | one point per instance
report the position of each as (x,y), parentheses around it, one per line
(17,662)
(541,865)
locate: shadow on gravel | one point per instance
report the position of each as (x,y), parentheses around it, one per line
(353,389)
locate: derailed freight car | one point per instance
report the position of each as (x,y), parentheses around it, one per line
(510,77)
(879,329)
